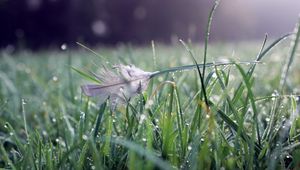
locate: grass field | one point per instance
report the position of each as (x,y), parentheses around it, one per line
(238,109)
(250,121)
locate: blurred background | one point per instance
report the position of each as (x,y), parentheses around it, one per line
(37,24)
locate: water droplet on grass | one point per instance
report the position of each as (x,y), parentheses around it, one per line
(189,148)
(44,133)
(23,102)
(82,115)
(84,137)
(54,78)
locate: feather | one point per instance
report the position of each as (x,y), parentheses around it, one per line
(129,81)
(118,86)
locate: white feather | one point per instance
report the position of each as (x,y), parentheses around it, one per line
(118,87)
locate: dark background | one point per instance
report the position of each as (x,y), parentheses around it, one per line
(49,23)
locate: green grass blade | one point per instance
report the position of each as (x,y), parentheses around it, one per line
(290,59)
(262,53)
(150,156)
(207,33)
(86,76)
(99,118)
(252,100)
(199,73)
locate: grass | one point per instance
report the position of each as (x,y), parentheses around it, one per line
(237,116)
(46,122)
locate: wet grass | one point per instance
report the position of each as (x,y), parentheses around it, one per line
(237,116)
(249,120)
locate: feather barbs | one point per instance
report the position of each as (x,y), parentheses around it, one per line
(118,86)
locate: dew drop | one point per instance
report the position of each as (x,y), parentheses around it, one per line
(82,115)
(189,148)
(44,133)
(84,137)
(144,140)
(23,102)
(54,78)
(63,46)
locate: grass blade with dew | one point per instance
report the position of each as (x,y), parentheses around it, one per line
(70,78)
(100,115)
(294,45)
(240,89)
(208,33)
(193,66)
(199,73)
(252,100)
(85,75)
(259,57)
(90,50)
(141,151)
